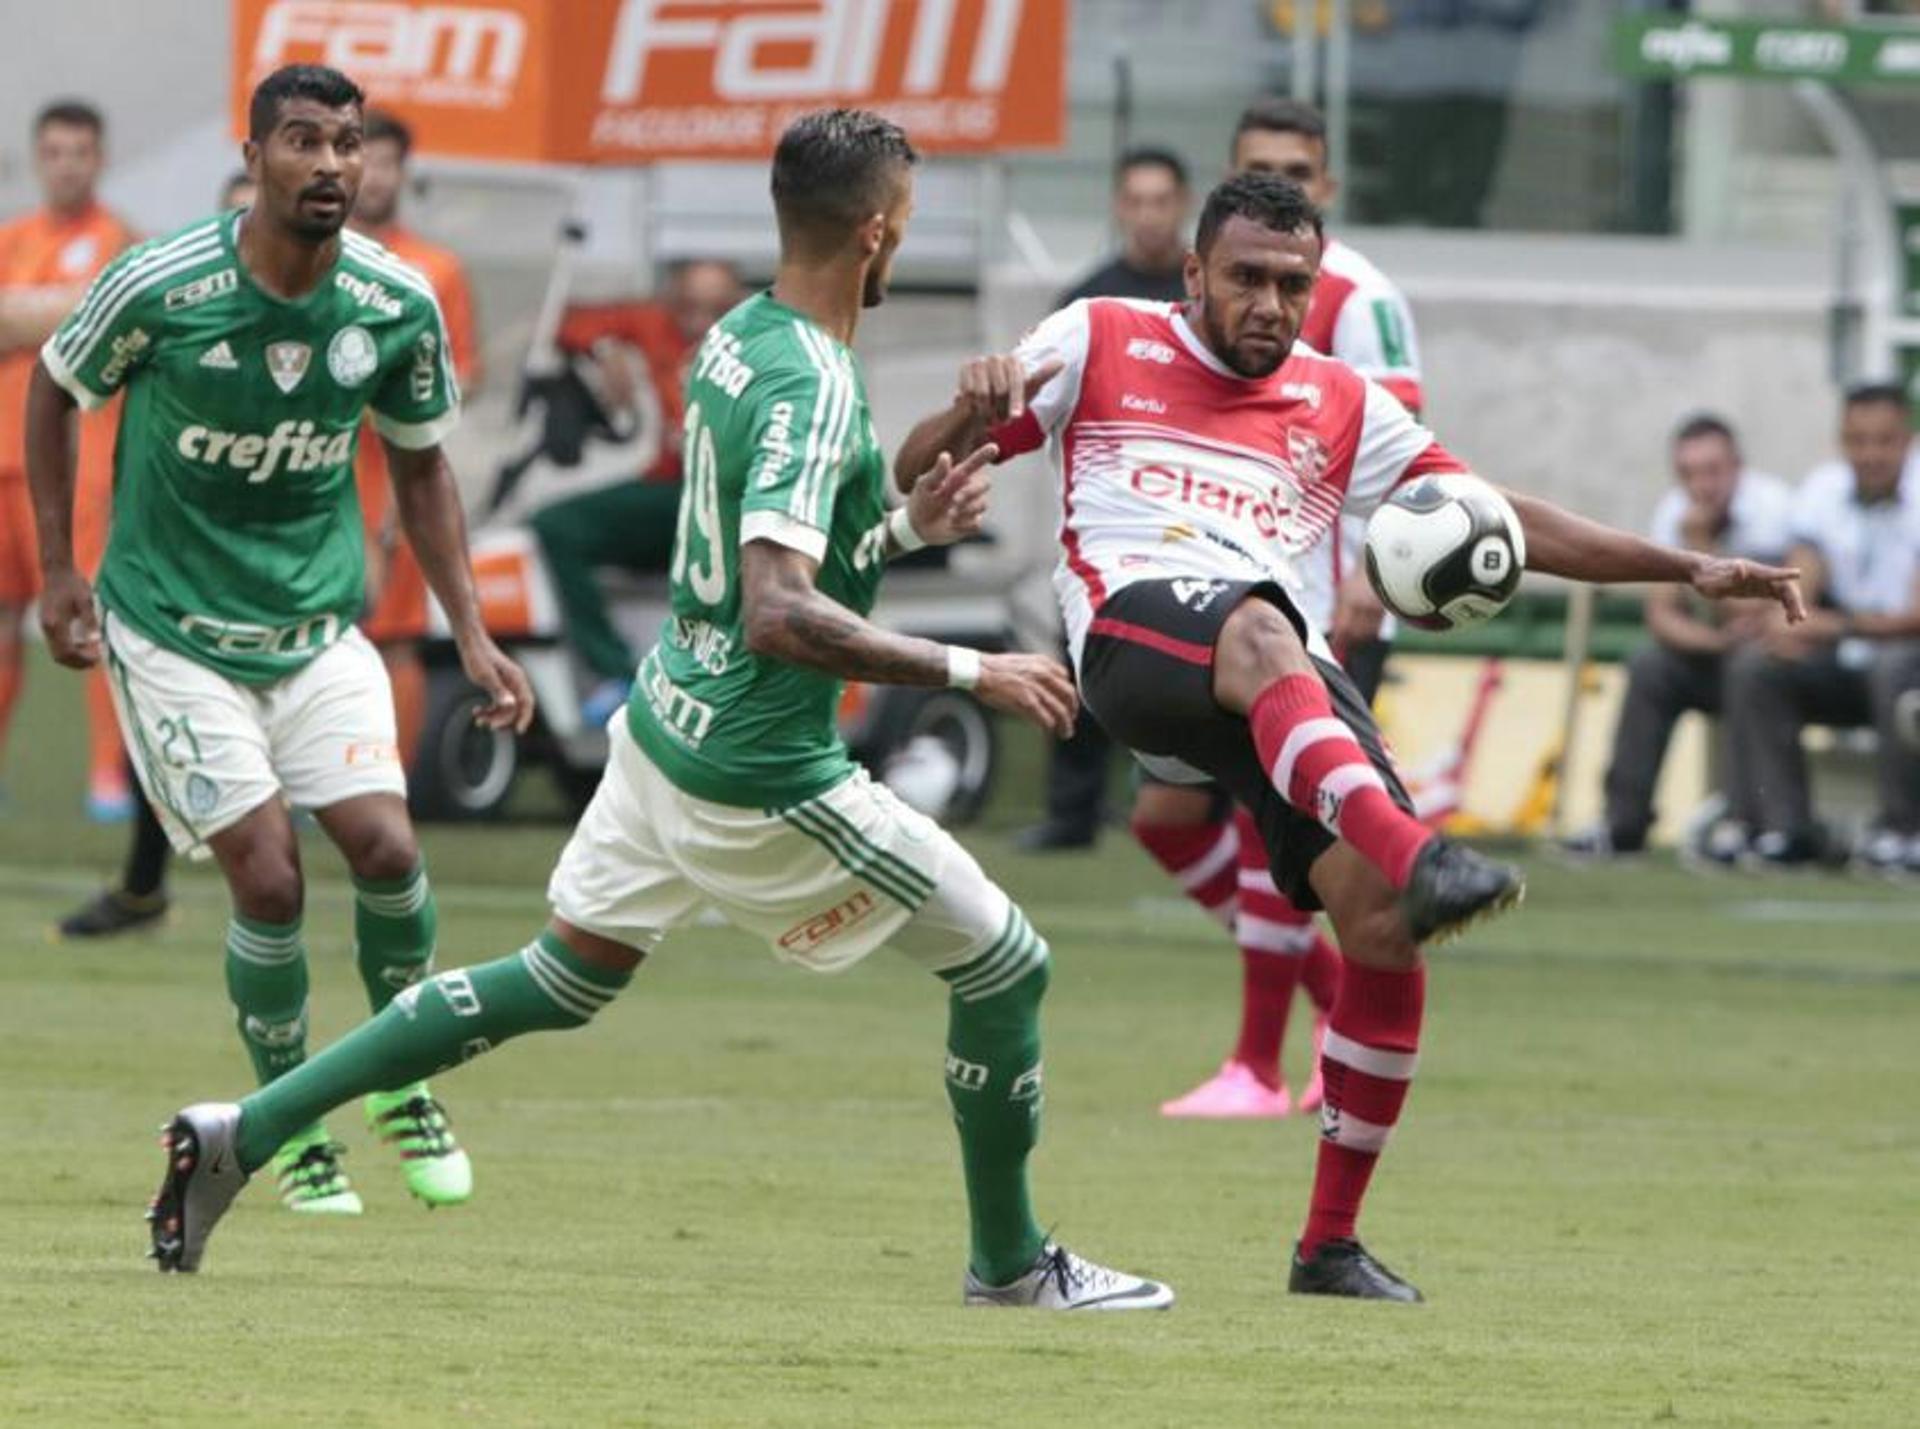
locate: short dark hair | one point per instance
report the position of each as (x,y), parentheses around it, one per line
(383,125)
(76,112)
(1267,199)
(1150,156)
(1705,424)
(315,82)
(835,167)
(1270,114)
(1876,394)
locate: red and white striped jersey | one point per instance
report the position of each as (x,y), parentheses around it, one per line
(1360,317)
(1171,465)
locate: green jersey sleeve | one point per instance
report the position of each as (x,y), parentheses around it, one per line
(800,434)
(417,401)
(112,333)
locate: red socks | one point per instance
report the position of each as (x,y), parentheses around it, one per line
(1317,764)
(1276,942)
(1201,858)
(1368,1063)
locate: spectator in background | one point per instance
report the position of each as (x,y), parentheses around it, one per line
(1717,503)
(1151,209)
(237,191)
(641,351)
(1856,659)
(47,258)
(140,900)
(396,619)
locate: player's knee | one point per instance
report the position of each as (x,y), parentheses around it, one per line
(1159,806)
(267,885)
(1257,646)
(384,851)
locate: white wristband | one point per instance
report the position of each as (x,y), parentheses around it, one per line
(963,667)
(900,527)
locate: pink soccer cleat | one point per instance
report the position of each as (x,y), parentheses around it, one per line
(1234,1091)
(1316,1089)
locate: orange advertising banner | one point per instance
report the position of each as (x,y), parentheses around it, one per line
(630,81)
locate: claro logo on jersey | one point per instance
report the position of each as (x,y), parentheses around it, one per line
(290,446)
(1180,486)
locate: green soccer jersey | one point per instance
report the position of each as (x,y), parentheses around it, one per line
(236,536)
(779,446)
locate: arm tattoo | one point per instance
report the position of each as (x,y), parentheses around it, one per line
(828,636)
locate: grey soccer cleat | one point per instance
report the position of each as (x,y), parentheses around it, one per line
(203,1176)
(1061,1280)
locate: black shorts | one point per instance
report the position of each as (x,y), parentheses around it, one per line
(1147,674)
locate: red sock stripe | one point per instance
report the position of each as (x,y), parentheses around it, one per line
(1377,1017)
(1314,759)
(1203,859)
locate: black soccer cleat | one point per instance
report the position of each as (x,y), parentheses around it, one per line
(1343,1267)
(1453,886)
(114,911)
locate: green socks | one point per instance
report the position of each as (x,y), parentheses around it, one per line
(394,927)
(993,1081)
(267,981)
(429,1027)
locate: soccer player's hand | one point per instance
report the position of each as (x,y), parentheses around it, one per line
(1035,687)
(509,695)
(70,620)
(1723,578)
(948,503)
(997,389)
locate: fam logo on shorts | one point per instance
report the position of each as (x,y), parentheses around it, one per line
(202,795)
(352,356)
(287,364)
(818,928)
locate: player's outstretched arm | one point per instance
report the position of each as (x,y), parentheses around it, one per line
(992,391)
(67,614)
(787,618)
(1560,543)
(429,505)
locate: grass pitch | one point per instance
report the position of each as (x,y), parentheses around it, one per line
(1660,1164)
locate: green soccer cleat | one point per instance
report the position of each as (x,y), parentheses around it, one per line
(310,1177)
(416,1125)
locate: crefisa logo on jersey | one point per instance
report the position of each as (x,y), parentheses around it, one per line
(287,363)
(351,356)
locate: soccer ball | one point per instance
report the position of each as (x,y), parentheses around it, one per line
(1445,552)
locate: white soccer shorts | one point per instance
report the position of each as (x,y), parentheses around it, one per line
(824,882)
(209,750)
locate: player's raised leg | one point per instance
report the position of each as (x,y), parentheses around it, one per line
(558,981)
(1262,671)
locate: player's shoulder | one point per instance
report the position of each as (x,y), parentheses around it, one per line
(169,270)
(373,263)
(777,345)
(1307,365)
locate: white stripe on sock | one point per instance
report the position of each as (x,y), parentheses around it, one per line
(558,995)
(1344,1129)
(1202,870)
(1374,1061)
(1299,740)
(1263,935)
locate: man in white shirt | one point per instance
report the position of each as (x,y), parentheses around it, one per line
(1856,661)
(1716,504)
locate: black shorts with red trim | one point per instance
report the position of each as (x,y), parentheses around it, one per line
(1146,672)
